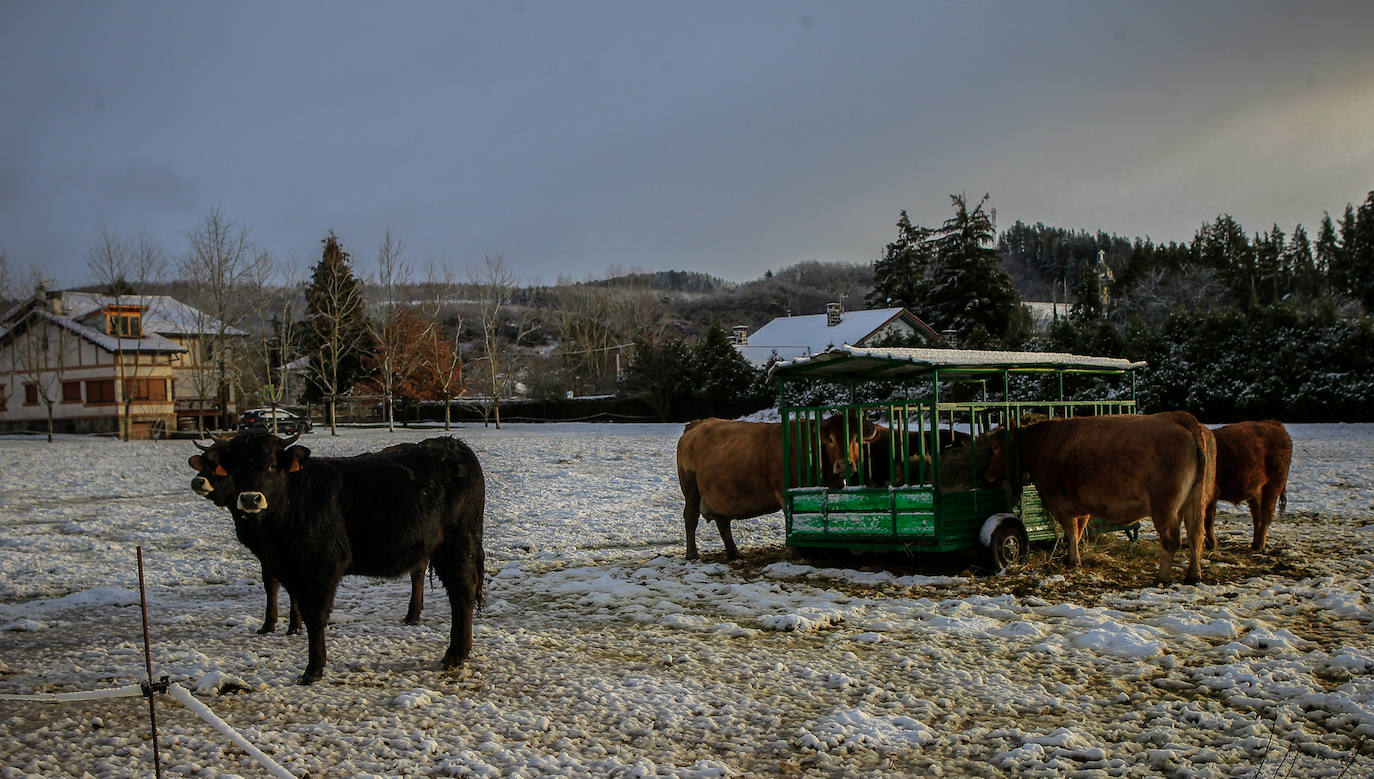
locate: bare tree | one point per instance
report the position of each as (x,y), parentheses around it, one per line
(8,291)
(275,350)
(39,359)
(219,265)
(116,265)
(443,353)
(503,325)
(596,325)
(1161,290)
(395,355)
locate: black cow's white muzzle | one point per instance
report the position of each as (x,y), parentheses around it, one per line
(252,502)
(201,486)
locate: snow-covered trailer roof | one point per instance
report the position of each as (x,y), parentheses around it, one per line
(848,361)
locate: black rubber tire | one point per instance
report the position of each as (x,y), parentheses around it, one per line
(1008,546)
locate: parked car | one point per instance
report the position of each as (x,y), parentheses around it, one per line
(260,420)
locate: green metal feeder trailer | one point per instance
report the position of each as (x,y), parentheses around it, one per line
(916,485)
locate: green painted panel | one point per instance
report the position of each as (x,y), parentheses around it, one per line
(856,500)
(916,524)
(860,524)
(808,523)
(920,498)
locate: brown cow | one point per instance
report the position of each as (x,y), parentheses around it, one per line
(733,470)
(1121,468)
(1252,466)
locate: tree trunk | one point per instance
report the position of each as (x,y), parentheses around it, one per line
(50,421)
(333,417)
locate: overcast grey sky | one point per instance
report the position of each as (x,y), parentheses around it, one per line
(725,137)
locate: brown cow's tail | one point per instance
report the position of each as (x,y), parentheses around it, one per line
(1283,501)
(1201,494)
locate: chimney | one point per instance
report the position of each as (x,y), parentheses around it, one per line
(55,302)
(740,335)
(832,314)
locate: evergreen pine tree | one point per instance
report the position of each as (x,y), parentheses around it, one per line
(969,291)
(336,328)
(1222,245)
(661,377)
(1271,276)
(1302,264)
(1360,253)
(1330,259)
(723,382)
(899,276)
(1347,275)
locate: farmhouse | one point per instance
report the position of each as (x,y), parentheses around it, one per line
(790,337)
(80,356)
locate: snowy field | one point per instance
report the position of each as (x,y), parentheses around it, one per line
(603,653)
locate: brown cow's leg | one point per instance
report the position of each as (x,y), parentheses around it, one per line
(269,618)
(690,512)
(1262,515)
(1169,542)
(1071,535)
(417,595)
(724,525)
(1209,522)
(1196,540)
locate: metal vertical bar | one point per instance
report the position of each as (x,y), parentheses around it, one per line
(148,661)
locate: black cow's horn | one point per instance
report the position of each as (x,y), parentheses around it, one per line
(287,442)
(202,447)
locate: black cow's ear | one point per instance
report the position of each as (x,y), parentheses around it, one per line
(194,462)
(294,457)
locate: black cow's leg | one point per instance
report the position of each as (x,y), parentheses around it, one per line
(269,617)
(315,604)
(294,625)
(417,595)
(461,570)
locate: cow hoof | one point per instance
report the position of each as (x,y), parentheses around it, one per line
(1192,579)
(412,620)
(309,678)
(293,631)
(452,661)
(265,629)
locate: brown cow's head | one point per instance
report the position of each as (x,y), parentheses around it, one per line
(258,466)
(997,463)
(836,450)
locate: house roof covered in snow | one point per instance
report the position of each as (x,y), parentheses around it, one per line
(791,337)
(162,316)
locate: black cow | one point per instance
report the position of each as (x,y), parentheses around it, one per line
(378,514)
(215,484)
